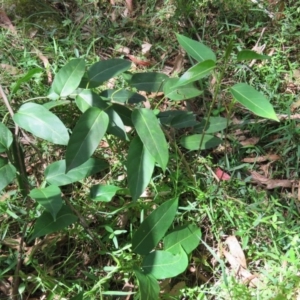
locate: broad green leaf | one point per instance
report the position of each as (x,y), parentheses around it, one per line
(180,93)
(152,136)
(7,173)
(148,82)
(148,286)
(106,69)
(253,100)
(39,121)
(192,142)
(68,77)
(45,223)
(163,264)
(166,117)
(6,138)
(86,137)
(215,124)
(116,125)
(49,198)
(154,227)
(184,120)
(122,96)
(195,49)
(250,55)
(25,78)
(124,113)
(188,237)
(103,193)
(86,99)
(56,103)
(140,166)
(56,172)
(196,72)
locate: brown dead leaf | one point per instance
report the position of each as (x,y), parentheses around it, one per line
(46,64)
(236,250)
(258,159)
(175,291)
(178,64)
(271,183)
(138,61)
(295,105)
(250,141)
(129,6)
(6,23)
(9,69)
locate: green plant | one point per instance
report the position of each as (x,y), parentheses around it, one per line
(109,112)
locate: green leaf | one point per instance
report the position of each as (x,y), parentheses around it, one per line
(68,77)
(140,166)
(87,99)
(78,297)
(56,172)
(250,55)
(253,100)
(163,264)
(45,223)
(25,78)
(148,82)
(103,193)
(152,136)
(215,124)
(154,227)
(195,49)
(86,137)
(184,120)
(188,237)
(180,93)
(196,72)
(122,96)
(166,117)
(49,198)
(56,103)
(7,173)
(105,70)
(192,142)
(148,286)
(6,138)
(39,121)
(124,113)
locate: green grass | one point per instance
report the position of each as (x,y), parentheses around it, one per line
(265,222)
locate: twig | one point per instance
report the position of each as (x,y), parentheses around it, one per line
(192,24)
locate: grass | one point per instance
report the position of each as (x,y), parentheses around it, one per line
(96,259)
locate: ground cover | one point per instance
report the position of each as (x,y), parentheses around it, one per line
(248,245)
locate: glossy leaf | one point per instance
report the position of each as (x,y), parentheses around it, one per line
(104,70)
(154,227)
(148,286)
(140,166)
(148,82)
(253,100)
(116,125)
(195,49)
(46,225)
(163,264)
(6,138)
(184,120)
(86,99)
(56,172)
(152,136)
(39,121)
(192,142)
(215,124)
(68,77)
(27,77)
(122,96)
(86,137)
(7,173)
(250,55)
(196,72)
(124,113)
(103,193)
(188,237)
(183,92)
(49,198)
(166,117)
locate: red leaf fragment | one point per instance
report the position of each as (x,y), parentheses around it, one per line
(222,175)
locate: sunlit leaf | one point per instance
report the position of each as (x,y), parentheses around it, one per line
(148,82)
(7,173)
(193,142)
(250,55)
(148,286)
(103,193)
(6,138)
